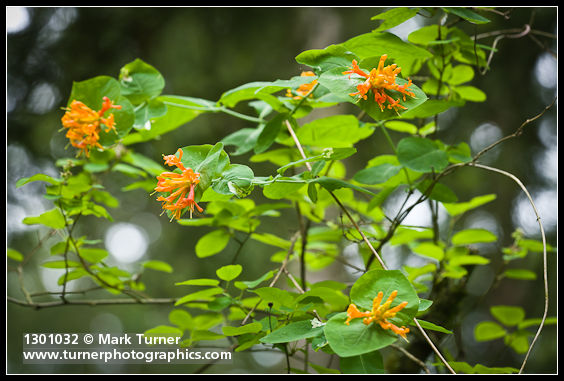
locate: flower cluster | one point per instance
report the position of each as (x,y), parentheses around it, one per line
(381,79)
(178,185)
(84,124)
(304,89)
(379,314)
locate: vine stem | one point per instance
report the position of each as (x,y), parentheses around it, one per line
(545,276)
(368,243)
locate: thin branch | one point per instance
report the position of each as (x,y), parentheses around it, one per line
(517,132)
(369,244)
(92,303)
(411,357)
(545,276)
(280,270)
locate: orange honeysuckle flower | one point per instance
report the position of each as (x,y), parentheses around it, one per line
(179,185)
(380,314)
(381,79)
(84,124)
(305,88)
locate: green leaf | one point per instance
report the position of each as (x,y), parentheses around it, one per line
(336,131)
(229,272)
(332,184)
(93,255)
(269,133)
(461,74)
(157,265)
(430,108)
(522,274)
(375,44)
(247,328)
(52,218)
(72,275)
(508,315)
(254,283)
(180,110)
(401,126)
(212,243)
(235,179)
(368,363)
(14,255)
(292,332)
(163,331)
(203,295)
(366,288)
(326,59)
(253,90)
(466,14)
(405,235)
(394,17)
(182,319)
(60,264)
(465,260)
(433,327)
(439,192)
(430,250)
(280,189)
(198,282)
(276,296)
(421,155)
(488,330)
(470,93)
(377,174)
(140,81)
(148,111)
(358,338)
(38,177)
(426,34)
(471,236)
(245,139)
(462,207)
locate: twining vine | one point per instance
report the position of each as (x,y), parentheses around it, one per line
(199,185)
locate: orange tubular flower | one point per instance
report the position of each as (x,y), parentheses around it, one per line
(381,79)
(305,88)
(84,124)
(178,185)
(380,314)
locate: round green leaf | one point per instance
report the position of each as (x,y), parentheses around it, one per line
(158,266)
(421,155)
(212,243)
(140,81)
(488,330)
(508,315)
(229,272)
(247,328)
(366,288)
(358,338)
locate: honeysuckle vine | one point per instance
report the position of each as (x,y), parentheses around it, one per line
(388,82)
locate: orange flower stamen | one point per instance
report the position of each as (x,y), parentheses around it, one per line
(304,89)
(380,314)
(178,185)
(381,79)
(84,124)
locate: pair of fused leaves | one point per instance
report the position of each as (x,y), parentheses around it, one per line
(135,91)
